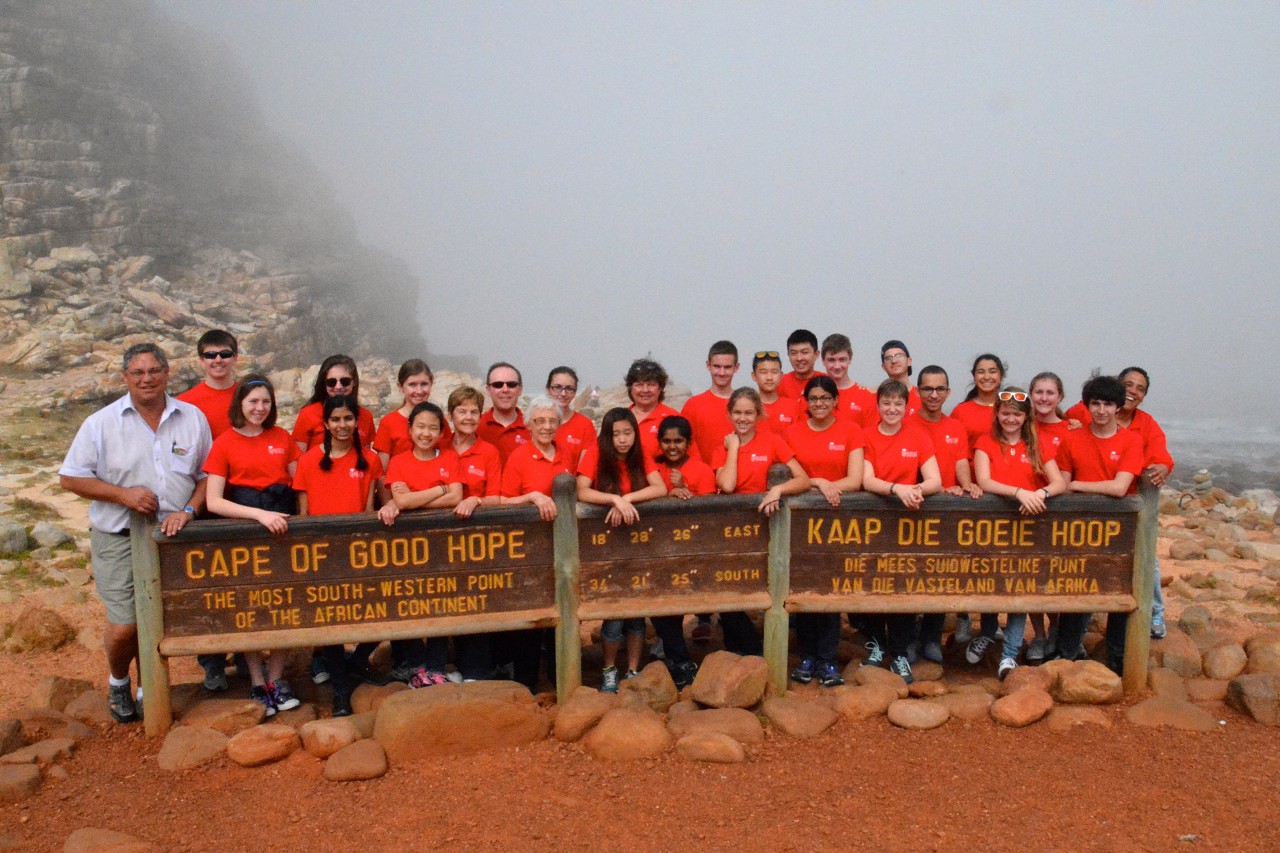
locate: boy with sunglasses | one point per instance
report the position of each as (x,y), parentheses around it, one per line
(218,353)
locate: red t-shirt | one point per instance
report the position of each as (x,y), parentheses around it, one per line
(950,444)
(480,470)
(309,428)
(792,387)
(1052,435)
(343,488)
(825,453)
(1090,459)
(897,458)
(256,461)
(699,479)
(778,416)
(1010,464)
(1079,412)
(709,417)
(393,439)
(420,475)
(527,470)
(649,443)
(977,419)
(575,435)
(1155,447)
(858,404)
(754,459)
(589,467)
(505,438)
(215,403)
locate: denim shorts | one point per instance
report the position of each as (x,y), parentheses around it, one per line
(613,629)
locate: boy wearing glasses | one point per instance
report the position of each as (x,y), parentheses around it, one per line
(219,352)
(895,358)
(503,425)
(708,412)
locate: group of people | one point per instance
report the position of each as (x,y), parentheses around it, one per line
(217,450)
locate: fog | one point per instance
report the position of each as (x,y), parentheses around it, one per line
(1067,185)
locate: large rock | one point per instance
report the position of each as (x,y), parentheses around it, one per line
(46,751)
(711,747)
(229,716)
(1196,622)
(865,675)
(968,706)
(262,745)
(924,689)
(296,718)
(38,629)
(94,840)
(918,714)
(582,711)
(457,719)
(18,781)
(40,723)
(653,688)
(47,535)
(75,257)
(1027,706)
(13,537)
(1178,652)
(726,680)
(800,718)
(738,723)
(1186,549)
(1206,689)
(1029,676)
(322,738)
(860,701)
(1158,712)
(11,736)
(1258,695)
(1064,718)
(185,747)
(357,761)
(1225,661)
(56,692)
(1264,654)
(1166,683)
(369,697)
(1088,683)
(628,734)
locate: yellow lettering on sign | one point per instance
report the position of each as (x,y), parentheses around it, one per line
(918,531)
(1095,533)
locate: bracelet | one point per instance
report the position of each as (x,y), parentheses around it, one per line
(1046,493)
(891,494)
(444,490)
(1015,493)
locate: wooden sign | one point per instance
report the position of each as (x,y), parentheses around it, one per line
(352,570)
(872,550)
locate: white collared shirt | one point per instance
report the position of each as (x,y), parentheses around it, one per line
(115,445)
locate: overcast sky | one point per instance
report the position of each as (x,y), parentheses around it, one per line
(1068,185)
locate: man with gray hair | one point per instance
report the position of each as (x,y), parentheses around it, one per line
(143,453)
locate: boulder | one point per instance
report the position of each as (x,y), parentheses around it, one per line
(968,706)
(653,688)
(711,747)
(40,723)
(45,751)
(11,736)
(1178,652)
(1029,676)
(860,701)
(47,535)
(322,738)
(1264,654)
(726,680)
(75,257)
(738,723)
(262,745)
(865,675)
(296,718)
(1064,718)
(458,719)
(38,629)
(926,670)
(1206,689)
(229,716)
(1196,622)
(94,840)
(1256,694)
(1166,683)
(356,762)
(185,747)
(628,734)
(13,538)
(918,714)
(364,722)
(18,781)
(369,697)
(1225,661)
(802,718)
(1158,712)
(582,711)
(924,689)
(1022,708)
(56,692)
(1088,682)
(1186,549)
(90,708)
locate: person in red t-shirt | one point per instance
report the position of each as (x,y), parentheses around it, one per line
(895,360)
(683,475)
(856,403)
(802,352)
(338,477)
(576,432)
(708,412)
(646,382)
(425,477)
(503,425)
(1012,462)
(415,380)
(479,464)
(1100,460)
(950,437)
(830,452)
(900,463)
(779,412)
(219,352)
(338,376)
(978,409)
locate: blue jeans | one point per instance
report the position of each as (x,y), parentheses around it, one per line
(1157,599)
(1015,627)
(613,629)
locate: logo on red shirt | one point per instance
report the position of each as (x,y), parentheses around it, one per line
(833,446)
(275,451)
(909,454)
(758,457)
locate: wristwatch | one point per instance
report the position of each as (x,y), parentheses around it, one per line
(189,509)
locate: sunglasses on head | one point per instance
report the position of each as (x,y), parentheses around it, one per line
(224,354)
(1016,396)
(509,383)
(335,381)
(767,353)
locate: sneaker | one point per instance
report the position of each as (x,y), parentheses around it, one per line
(932,651)
(964,629)
(1007,665)
(657,651)
(901,666)
(805,672)
(120,702)
(260,695)
(829,675)
(215,676)
(1036,651)
(282,696)
(913,651)
(609,680)
(454,677)
(630,674)
(403,672)
(319,670)
(423,677)
(341,705)
(682,673)
(701,632)
(999,637)
(875,655)
(977,648)
(1158,631)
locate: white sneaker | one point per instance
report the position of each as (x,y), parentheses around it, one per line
(964,629)
(1007,665)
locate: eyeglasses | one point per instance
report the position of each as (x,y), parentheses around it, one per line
(335,381)
(510,383)
(820,398)
(933,389)
(1016,396)
(893,356)
(563,389)
(767,353)
(223,354)
(152,371)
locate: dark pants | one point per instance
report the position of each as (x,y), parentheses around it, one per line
(740,634)
(891,630)
(931,628)
(1071,628)
(471,654)
(410,652)
(524,649)
(670,630)
(819,635)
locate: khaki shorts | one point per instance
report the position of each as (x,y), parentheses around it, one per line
(113,575)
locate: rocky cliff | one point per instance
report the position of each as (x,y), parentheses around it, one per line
(141,195)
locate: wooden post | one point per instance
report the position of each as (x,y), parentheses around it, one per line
(1137,643)
(565,539)
(776,624)
(153,670)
